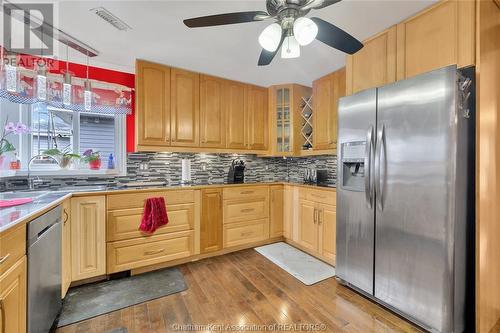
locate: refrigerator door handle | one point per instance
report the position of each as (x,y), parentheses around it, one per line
(378,167)
(369,157)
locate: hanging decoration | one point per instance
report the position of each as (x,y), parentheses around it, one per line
(26,86)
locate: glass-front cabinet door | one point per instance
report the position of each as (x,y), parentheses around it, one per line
(283,119)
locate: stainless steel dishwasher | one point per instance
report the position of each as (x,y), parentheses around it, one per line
(44,271)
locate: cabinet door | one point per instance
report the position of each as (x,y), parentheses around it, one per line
(66,247)
(236,119)
(308,230)
(153,104)
(277,201)
(211,220)
(212,113)
(326,93)
(13,298)
(258,118)
(185,108)
(327,219)
(441,35)
(374,65)
(88,237)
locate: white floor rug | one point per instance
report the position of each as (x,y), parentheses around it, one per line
(302,266)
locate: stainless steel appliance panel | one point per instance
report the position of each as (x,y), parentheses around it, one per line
(44,271)
(355,199)
(415,185)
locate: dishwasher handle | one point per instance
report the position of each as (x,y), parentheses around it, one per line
(38,236)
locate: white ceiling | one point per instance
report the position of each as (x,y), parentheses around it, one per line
(159,35)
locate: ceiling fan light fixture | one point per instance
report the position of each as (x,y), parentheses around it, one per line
(290,48)
(304,30)
(270,37)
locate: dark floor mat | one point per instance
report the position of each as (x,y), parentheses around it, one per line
(99,298)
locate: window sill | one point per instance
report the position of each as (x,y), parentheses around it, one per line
(62,173)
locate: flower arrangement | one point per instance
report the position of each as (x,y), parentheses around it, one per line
(64,157)
(93,158)
(8,129)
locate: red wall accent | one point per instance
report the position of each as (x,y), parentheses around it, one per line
(96,73)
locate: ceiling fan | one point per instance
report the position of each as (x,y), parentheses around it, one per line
(290,30)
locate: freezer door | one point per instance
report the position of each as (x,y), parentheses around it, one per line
(355,192)
(414,182)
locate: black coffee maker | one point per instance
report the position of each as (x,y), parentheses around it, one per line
(236,172)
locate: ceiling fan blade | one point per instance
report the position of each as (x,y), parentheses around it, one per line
(336,37)
(266,57)
(318,4)
(223,19)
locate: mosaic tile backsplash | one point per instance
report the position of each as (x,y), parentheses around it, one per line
(205,168)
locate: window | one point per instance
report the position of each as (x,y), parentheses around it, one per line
(67,131)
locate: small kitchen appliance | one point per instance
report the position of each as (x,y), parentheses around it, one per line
(236,174)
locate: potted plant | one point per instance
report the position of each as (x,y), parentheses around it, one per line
(93,158)
(5,145)
(64,157)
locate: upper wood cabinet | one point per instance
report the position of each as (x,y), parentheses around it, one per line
(326,93)
(211,220)
(374,65)
(65,247)
(212,112)
(13,287)
(185,108)
(441,35)
(88,237)
(258,118)
(236,119)
(152,104)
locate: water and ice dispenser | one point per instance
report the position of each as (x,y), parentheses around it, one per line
(353,165)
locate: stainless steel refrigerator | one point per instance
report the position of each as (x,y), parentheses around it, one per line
(405,196)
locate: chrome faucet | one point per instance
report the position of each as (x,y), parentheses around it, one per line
(32,182)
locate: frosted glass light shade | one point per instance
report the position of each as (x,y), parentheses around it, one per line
(304,30)
(270,37)
(67,93)
(87,100)
(41,87)
(290,48)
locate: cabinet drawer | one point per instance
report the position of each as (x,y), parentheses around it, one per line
(136,200)
(245,232)
(12,247)
(321,196)
(244,210)
(124,223)
(135,253)
(246,192)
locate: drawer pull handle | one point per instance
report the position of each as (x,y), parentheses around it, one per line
(247,210)
(148,253)
(4,258)
(2,314)
(247,233)
(318,196)
(66,216)
(247,192)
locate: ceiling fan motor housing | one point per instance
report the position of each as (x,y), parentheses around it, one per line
(286,8)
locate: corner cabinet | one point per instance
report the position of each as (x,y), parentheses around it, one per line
(257,115)
(152,104)
(185,108)
(88,237)
(326,93)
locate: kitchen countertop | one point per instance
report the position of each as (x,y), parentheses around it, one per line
(46,200)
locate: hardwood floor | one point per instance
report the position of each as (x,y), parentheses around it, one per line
(244,288)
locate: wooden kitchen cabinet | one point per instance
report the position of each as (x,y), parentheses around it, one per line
(211,220)
(13,289)
(441,35)
(307,230)
(152,104)
(212,112)
(276,192)
(65,247)
(236,119)
(258,118)
(185,108)
(374,65)
(326,93)
(88,237)
(327,221)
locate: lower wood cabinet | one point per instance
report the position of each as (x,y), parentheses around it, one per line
(88,237)
(327,222)
(13,306)
(65,247)
(276,210)
(246,232)
(211,220)
(307,228)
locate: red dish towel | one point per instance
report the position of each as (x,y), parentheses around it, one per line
(154,215)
